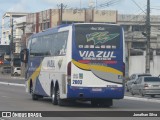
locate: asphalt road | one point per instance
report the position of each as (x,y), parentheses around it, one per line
(14,98)
(19,80)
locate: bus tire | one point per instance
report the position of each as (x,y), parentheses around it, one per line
(54,97)
(107,103)
(58,100)
(15,74)
(102,103)
(94,103)
(34,96)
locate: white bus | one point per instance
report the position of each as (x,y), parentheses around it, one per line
(81,61)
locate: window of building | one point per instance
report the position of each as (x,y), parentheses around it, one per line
(138,27)
(158,52)
(138,45)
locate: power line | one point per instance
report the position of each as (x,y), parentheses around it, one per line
(108,3)
(138,6)
(155,8)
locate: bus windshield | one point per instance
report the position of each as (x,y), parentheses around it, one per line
(97,36)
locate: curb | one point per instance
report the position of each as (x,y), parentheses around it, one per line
(142,99)
(11,77)
(13,84)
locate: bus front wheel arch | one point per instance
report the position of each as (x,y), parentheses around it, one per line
(34,96)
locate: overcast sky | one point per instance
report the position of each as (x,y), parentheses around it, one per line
(123,6)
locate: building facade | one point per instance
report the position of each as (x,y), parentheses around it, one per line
(40,21)
(134,26)
(8,22)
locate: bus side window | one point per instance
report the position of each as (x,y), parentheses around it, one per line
(62,42)
(63,50)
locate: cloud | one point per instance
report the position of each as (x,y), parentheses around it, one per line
(28,6)
(20,6)
(69,3)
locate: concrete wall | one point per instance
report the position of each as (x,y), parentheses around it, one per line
(137,64)
(155,66)
(31,18)
(55,17)
(105,16)
(73,15)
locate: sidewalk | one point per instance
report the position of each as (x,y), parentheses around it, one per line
(11,79)
(8,76)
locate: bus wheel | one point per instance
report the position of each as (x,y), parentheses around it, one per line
(54,97)
(94,103)
(15,74)
(34,96)
(60,101)
(106,103)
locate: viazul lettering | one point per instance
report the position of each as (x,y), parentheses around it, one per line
(91,54)
(112,56)
(107,54)
(98,54)
(83,54)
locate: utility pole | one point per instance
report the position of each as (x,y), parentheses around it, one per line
(62,7)
(11,38)
(148,32)
(11,45)
(61,13)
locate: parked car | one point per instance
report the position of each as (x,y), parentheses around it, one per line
(146,85)
(6,70)
(6,62)
(17,71)
(132,79)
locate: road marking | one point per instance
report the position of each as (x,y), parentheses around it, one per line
(12,77)
(5,96)
(142,99)
(13,84)
(18,77)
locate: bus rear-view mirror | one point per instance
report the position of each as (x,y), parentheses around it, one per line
(24,55)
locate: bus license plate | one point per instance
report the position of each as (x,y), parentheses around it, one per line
(96,89)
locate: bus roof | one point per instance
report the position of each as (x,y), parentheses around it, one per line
(55,29)
(49,31)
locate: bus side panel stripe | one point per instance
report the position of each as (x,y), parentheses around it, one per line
(97,67)
(39,89)
(34,75)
